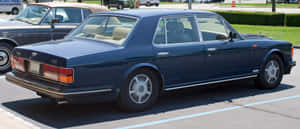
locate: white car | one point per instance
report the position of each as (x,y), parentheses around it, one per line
(149,2)
(11,6)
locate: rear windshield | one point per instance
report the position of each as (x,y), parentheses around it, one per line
(111,29)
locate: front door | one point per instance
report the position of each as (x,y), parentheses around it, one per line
(224,58)
(179,53)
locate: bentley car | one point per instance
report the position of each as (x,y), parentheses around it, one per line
(131,56)
(32,25)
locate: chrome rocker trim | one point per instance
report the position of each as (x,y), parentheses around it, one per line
(212,82)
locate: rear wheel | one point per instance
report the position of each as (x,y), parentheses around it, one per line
(140,92)
(271,73)
(5,52)
(156,5)
(15,11)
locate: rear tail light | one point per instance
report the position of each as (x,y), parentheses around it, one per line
(17,63)
(292,51)
(64,75)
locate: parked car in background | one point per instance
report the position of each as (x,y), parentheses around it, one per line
(149,2)
(132,56)
(11,6)
(32,25)
(121,4)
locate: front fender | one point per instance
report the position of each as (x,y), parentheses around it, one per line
(14,42)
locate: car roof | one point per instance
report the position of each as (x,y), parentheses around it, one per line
(154,12)
(93,8)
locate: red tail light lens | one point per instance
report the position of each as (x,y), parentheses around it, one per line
(17,63)
(292,51)
(64,75)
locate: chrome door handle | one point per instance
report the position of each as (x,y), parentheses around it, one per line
(163,53)
(211,49)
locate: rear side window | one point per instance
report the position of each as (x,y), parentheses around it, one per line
(69,15)
(181,29)
(212,28)
(86,12)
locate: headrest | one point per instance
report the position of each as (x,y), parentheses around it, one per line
(120,33)
(175,27)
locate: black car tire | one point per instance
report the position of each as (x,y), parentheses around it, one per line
(262,82)
(15,11)
(126,102)
(108,6)
(5,49)
(156,5)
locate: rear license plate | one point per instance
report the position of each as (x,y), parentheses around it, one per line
(34,67)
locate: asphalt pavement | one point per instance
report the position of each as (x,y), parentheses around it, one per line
(235,105)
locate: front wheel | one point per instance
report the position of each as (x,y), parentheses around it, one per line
(271,74)
(140,92)
(5,52)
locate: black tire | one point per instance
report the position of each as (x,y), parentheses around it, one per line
(108,6)
(15,11)
(156,5)
(5,48)
(126,102)
(262,82)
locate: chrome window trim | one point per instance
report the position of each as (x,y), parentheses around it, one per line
(199,29)
(211,82)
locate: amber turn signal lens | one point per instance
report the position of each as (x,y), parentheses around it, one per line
(66,79)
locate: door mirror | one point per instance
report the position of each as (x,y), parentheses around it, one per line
(52,22)
(232,36)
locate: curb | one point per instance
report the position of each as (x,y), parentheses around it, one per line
(297,46)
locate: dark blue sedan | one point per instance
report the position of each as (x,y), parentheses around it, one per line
(131,56)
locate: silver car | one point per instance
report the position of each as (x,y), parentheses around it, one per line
(11,6)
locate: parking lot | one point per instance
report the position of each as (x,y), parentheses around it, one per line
(235,105)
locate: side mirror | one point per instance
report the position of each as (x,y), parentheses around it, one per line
(232,36)
(52,22)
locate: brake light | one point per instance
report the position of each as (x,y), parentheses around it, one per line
(64,75)
(17,63)
(292,51)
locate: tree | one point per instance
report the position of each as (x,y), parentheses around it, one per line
(273,6)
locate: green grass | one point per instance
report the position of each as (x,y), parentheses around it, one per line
(290,34)
(261,5)
(92,1)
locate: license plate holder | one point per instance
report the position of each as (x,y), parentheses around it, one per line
(34,67)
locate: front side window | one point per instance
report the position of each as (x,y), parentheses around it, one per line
(177,30)
(32,14)
(212,28)
(111,29)
(64,15)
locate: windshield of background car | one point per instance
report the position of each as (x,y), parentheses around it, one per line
(111,29)
(32,14)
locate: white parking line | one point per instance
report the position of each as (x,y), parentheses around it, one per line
(207,113)
(8,114)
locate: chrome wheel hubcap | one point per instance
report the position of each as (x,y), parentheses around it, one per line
(140,88)
(272,71)
(3,58)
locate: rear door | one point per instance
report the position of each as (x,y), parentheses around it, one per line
(179,52)
(224,58)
